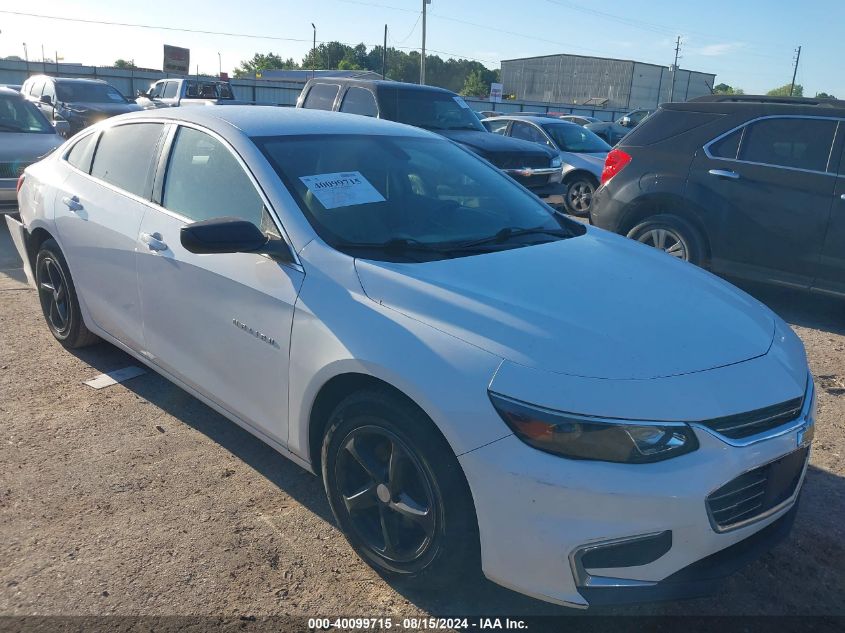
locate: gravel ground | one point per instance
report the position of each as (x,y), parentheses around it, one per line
(138,499)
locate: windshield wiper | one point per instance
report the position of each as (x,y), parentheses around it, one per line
(513,231)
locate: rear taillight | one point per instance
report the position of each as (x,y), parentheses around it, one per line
(20,183)
(614,163)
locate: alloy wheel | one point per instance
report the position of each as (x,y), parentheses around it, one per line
(580,196)
(53,292)
(666,240)
(386,494)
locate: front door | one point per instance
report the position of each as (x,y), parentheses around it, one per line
(764,192)
(98,209)
(831,277)
(220,323)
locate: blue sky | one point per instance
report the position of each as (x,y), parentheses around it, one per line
(747,43)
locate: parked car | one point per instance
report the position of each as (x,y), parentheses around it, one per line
(25,137)
(610,132)
(488,113)
(633,118)
(15,87)
(444,112)
(580,119)
(581,152)
(80,102)
(752,187)
(175,92)
(476,378)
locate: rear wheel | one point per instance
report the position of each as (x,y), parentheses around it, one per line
(671,234)
(396,489)
(59,302)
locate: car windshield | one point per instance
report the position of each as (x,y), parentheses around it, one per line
(430,110)
(574,138)
(408,198)
(208,90)
(85,92)
(18,115)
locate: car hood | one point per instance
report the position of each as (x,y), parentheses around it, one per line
(594,163)
(109,109)
(597,306)
(26,148)
(489,144)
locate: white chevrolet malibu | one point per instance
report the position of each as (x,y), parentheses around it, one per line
(476,379)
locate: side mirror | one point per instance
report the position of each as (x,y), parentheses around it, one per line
(625,121)
(231,235)
(47,99)
(141,93)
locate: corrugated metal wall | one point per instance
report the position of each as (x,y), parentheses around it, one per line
(574,79)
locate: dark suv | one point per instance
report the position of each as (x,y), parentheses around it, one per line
(80,102)
(534,166)
(751,187)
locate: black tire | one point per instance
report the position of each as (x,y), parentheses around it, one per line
(579,195)
(59,301)
(677,235)
(428,477)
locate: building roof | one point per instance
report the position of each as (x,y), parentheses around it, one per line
(609,59)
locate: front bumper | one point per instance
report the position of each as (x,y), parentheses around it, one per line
(556,507)
(553,193)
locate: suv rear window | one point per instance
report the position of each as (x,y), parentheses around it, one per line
(321,96)
(665,124)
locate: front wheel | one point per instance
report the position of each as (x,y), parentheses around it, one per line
(396,489)
(671,234)
(579,196)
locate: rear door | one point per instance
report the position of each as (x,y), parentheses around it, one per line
(831,277)
(99,209)
(764,191)
(220,323)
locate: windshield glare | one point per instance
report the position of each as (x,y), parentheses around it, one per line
(18,115)
(83,92)
(369,190)
(570,137)
(430,110)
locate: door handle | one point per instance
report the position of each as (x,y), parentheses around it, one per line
(724,173)
(72,203)
(842,197)
(153,241)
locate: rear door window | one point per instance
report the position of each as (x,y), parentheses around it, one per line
(789,142)
(125,154)
(321,96)
(170,89)
(359,101)
(497,127)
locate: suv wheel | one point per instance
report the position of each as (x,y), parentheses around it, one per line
(671,234)
(397,491)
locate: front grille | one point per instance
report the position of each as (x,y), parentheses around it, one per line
(753,422)
(756,492)
(532,181)
(519,161)
(13,169)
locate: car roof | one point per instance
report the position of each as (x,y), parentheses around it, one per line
(539,120)
(68,79)
(756,105)
(258,120)
(10,92)
(377,85)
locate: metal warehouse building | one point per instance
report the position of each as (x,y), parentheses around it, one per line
(613,83)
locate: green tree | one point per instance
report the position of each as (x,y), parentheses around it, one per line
(262,61)
(474,85)
(725,89)
(122,63)
(824,95)
(783,91)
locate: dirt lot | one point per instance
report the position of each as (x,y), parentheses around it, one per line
(138,499)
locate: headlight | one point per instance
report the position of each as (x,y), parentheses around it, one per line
(584,437)
(557,162)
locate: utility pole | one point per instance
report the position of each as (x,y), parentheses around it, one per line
(43,61)
(795,70)
(219,65)
(26,57)
(314,53)
(422,59)
(674,69)
(384,55)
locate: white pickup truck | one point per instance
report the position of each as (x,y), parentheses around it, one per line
(183,92)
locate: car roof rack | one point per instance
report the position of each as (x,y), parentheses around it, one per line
(804,101)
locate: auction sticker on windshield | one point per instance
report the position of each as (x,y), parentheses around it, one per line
(341,189)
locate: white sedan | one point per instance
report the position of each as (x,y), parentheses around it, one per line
(477,380)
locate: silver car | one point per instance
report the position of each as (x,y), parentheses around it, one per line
(582,153)
(25,137)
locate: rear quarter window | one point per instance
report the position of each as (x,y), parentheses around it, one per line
(665,124)
(82,152)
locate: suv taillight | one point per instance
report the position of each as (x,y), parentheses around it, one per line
(20,183)
(614,163)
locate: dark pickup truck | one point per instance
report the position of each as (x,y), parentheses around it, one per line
(447,114)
